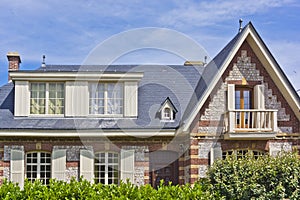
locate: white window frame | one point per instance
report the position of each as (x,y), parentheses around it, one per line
(167,115)
(106,164)
(38,164)
(105,99)
(164,117)
(47,99)
(236,153)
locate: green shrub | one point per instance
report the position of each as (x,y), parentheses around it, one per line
(248,178)
(83,189)
(264,177)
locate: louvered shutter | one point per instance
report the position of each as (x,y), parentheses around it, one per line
(231,106)
(259,97)
(22,98)
(130,99)
(127,165)
(87,164)
(216,153)
(59,164)
(17,167)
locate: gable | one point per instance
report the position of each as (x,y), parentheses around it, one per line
(255,50)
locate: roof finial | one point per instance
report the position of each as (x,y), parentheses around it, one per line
(240,29)
(44,63)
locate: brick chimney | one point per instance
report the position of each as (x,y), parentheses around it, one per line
(14,61)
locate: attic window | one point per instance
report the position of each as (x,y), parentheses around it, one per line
(167,110)
(167,114)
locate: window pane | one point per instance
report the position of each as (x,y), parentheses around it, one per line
(38,165)
(237,100)
(106,98)
(106,172)
(56,98)
(37,98)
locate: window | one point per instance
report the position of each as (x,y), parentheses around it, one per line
(47,98)
(243,101)
(106,98)
(240,153)
(107,168)
(38,166)
(167,110)
(167,113)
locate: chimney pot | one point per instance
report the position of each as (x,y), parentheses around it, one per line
(14,61)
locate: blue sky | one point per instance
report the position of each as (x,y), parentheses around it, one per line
(66,31)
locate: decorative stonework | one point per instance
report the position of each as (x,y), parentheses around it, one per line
(187,174)
(202,171)
(140,156)
(7,150)
(204,149)
(217,106)
(277,147)
(139,176)
(243,70)
(6,172)
(71,172)
(285,129)
(139,152)
(271,102)
(73,152)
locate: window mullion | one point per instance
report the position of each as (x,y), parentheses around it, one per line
(106,168)
(105,98)
(47,98)
(38,168)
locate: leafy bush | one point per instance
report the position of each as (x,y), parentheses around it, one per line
(264,177)
(248,178)
(83,189)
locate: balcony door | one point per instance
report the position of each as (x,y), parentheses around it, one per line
(243,101)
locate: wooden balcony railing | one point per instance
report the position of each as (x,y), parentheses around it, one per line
(251,120)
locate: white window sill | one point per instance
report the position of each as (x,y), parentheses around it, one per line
(167,120)
(46,116)
(106,116)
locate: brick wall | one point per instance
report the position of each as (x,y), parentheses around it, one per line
(142,148)
(209,125)
(245,66)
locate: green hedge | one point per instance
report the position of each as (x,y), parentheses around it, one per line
(248,178)
(85,190)
(264,177)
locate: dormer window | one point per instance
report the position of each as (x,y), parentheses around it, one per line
(167,110)
(167,114)
(47,98)
(106,98)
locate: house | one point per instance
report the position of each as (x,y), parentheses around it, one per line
(145,123)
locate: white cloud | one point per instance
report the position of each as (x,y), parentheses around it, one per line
(210,12)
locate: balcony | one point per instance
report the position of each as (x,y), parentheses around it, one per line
(251,124)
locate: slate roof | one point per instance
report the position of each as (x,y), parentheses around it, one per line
(209,72)
(176,82)
(183,85)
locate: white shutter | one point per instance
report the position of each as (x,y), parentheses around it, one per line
(22,98)
(17,167)
(59,164)
(127,165)
(87,164)
(231,106)
(231,97)
(259,97)
(77,98)
(215,153)
(130,99)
